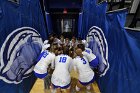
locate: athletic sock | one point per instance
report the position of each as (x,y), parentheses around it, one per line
(88,87)
(77,89)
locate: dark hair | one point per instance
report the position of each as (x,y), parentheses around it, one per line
(50,41)
(81,46)
(79,38)
(71,49)
(74,37)
(49,48)
(66,50)
(59,49)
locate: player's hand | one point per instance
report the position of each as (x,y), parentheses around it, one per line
(44,47)
(45,42)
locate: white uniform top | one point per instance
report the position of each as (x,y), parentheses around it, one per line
(72,44)
(88,53)
(45,59)
(57,41)
(86,74)
(61,75)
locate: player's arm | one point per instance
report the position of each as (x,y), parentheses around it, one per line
(53,63)
(71,65)
(96,62)
(43,56)
(50,70)
(74,65)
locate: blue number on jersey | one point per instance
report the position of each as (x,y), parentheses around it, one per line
(45,54)
(84,61)
(42,55)
(63,59)
(87,51)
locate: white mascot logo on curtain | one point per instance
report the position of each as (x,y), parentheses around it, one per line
(19,53)
(98,43)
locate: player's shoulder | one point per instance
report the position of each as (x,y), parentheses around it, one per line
(52,55)
(85,53)
(77,58)
(88,49)
(45,51)
(60,55)
(85,57)
(67,56)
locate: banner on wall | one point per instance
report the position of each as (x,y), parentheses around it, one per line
(22,31)
(123,48)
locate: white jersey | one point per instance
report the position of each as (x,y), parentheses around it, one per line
(86,74)
(72,44)
(45,59)
(88,53)
(61,75)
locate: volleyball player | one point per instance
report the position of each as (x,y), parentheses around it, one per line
(62,66)
(86,74)
(45,59)
(92,59)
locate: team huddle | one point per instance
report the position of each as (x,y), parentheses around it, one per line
(61,56)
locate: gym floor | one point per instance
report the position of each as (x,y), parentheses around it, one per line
(39,86)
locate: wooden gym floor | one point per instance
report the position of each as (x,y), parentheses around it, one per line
(39,86)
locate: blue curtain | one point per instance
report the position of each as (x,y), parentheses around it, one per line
(123,47)
(48,17)
(80,25)
(49,23)
(90,16)
(22,30)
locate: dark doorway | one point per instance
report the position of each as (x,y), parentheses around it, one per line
(65,23)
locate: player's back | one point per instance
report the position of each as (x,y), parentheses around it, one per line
(88,53)
(82,65)
(44,60)
(63,63)
(61,74)
(85,72)
(88,50)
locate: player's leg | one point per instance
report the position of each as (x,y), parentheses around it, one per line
(68,90)
(47,83)
(78,86)
(89,88)
(52,89)
(58,90)
(89,85)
